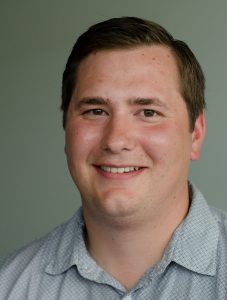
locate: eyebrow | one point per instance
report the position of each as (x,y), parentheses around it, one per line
(134,101)
(91,101)
(147,101)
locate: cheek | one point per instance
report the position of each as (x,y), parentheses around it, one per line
(166,142)
(80,139)
(156,138)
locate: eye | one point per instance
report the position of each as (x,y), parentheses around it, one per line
(95,111)
(149,113)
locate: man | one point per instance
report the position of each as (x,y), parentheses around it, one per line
(133,113)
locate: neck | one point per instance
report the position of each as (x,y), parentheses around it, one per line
(127,249)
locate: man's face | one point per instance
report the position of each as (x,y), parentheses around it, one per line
(128,142)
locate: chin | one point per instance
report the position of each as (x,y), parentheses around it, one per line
(115,204)
(118,206)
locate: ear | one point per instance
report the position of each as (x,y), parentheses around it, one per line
(198,136)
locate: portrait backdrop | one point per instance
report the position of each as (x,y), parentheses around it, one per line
(37,192)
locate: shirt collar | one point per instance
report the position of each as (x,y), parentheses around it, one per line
(193,246)
(67,246)
(197,237)
(67,249)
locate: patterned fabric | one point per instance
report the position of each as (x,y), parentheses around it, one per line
(58,266)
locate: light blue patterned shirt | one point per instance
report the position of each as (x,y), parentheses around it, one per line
(58,266)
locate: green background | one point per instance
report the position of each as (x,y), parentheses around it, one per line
(36,37)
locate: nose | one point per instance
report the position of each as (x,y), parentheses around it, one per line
(118,135)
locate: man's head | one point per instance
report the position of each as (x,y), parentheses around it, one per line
(129,33)
(131,128)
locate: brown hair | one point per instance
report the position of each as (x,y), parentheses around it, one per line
(131,32)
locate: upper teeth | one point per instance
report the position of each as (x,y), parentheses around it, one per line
(119,170)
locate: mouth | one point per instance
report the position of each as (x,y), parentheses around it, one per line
(119,170)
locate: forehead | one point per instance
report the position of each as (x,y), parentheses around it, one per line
(153,66)
(144,61)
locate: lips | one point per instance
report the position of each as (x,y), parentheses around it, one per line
(119,170)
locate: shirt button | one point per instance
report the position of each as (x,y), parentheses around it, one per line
(127,297)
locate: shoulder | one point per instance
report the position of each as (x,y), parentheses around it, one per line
(220,217)
(32,256)
(26,254)
(25,265)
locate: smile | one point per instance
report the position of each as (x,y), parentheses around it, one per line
(119,170)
